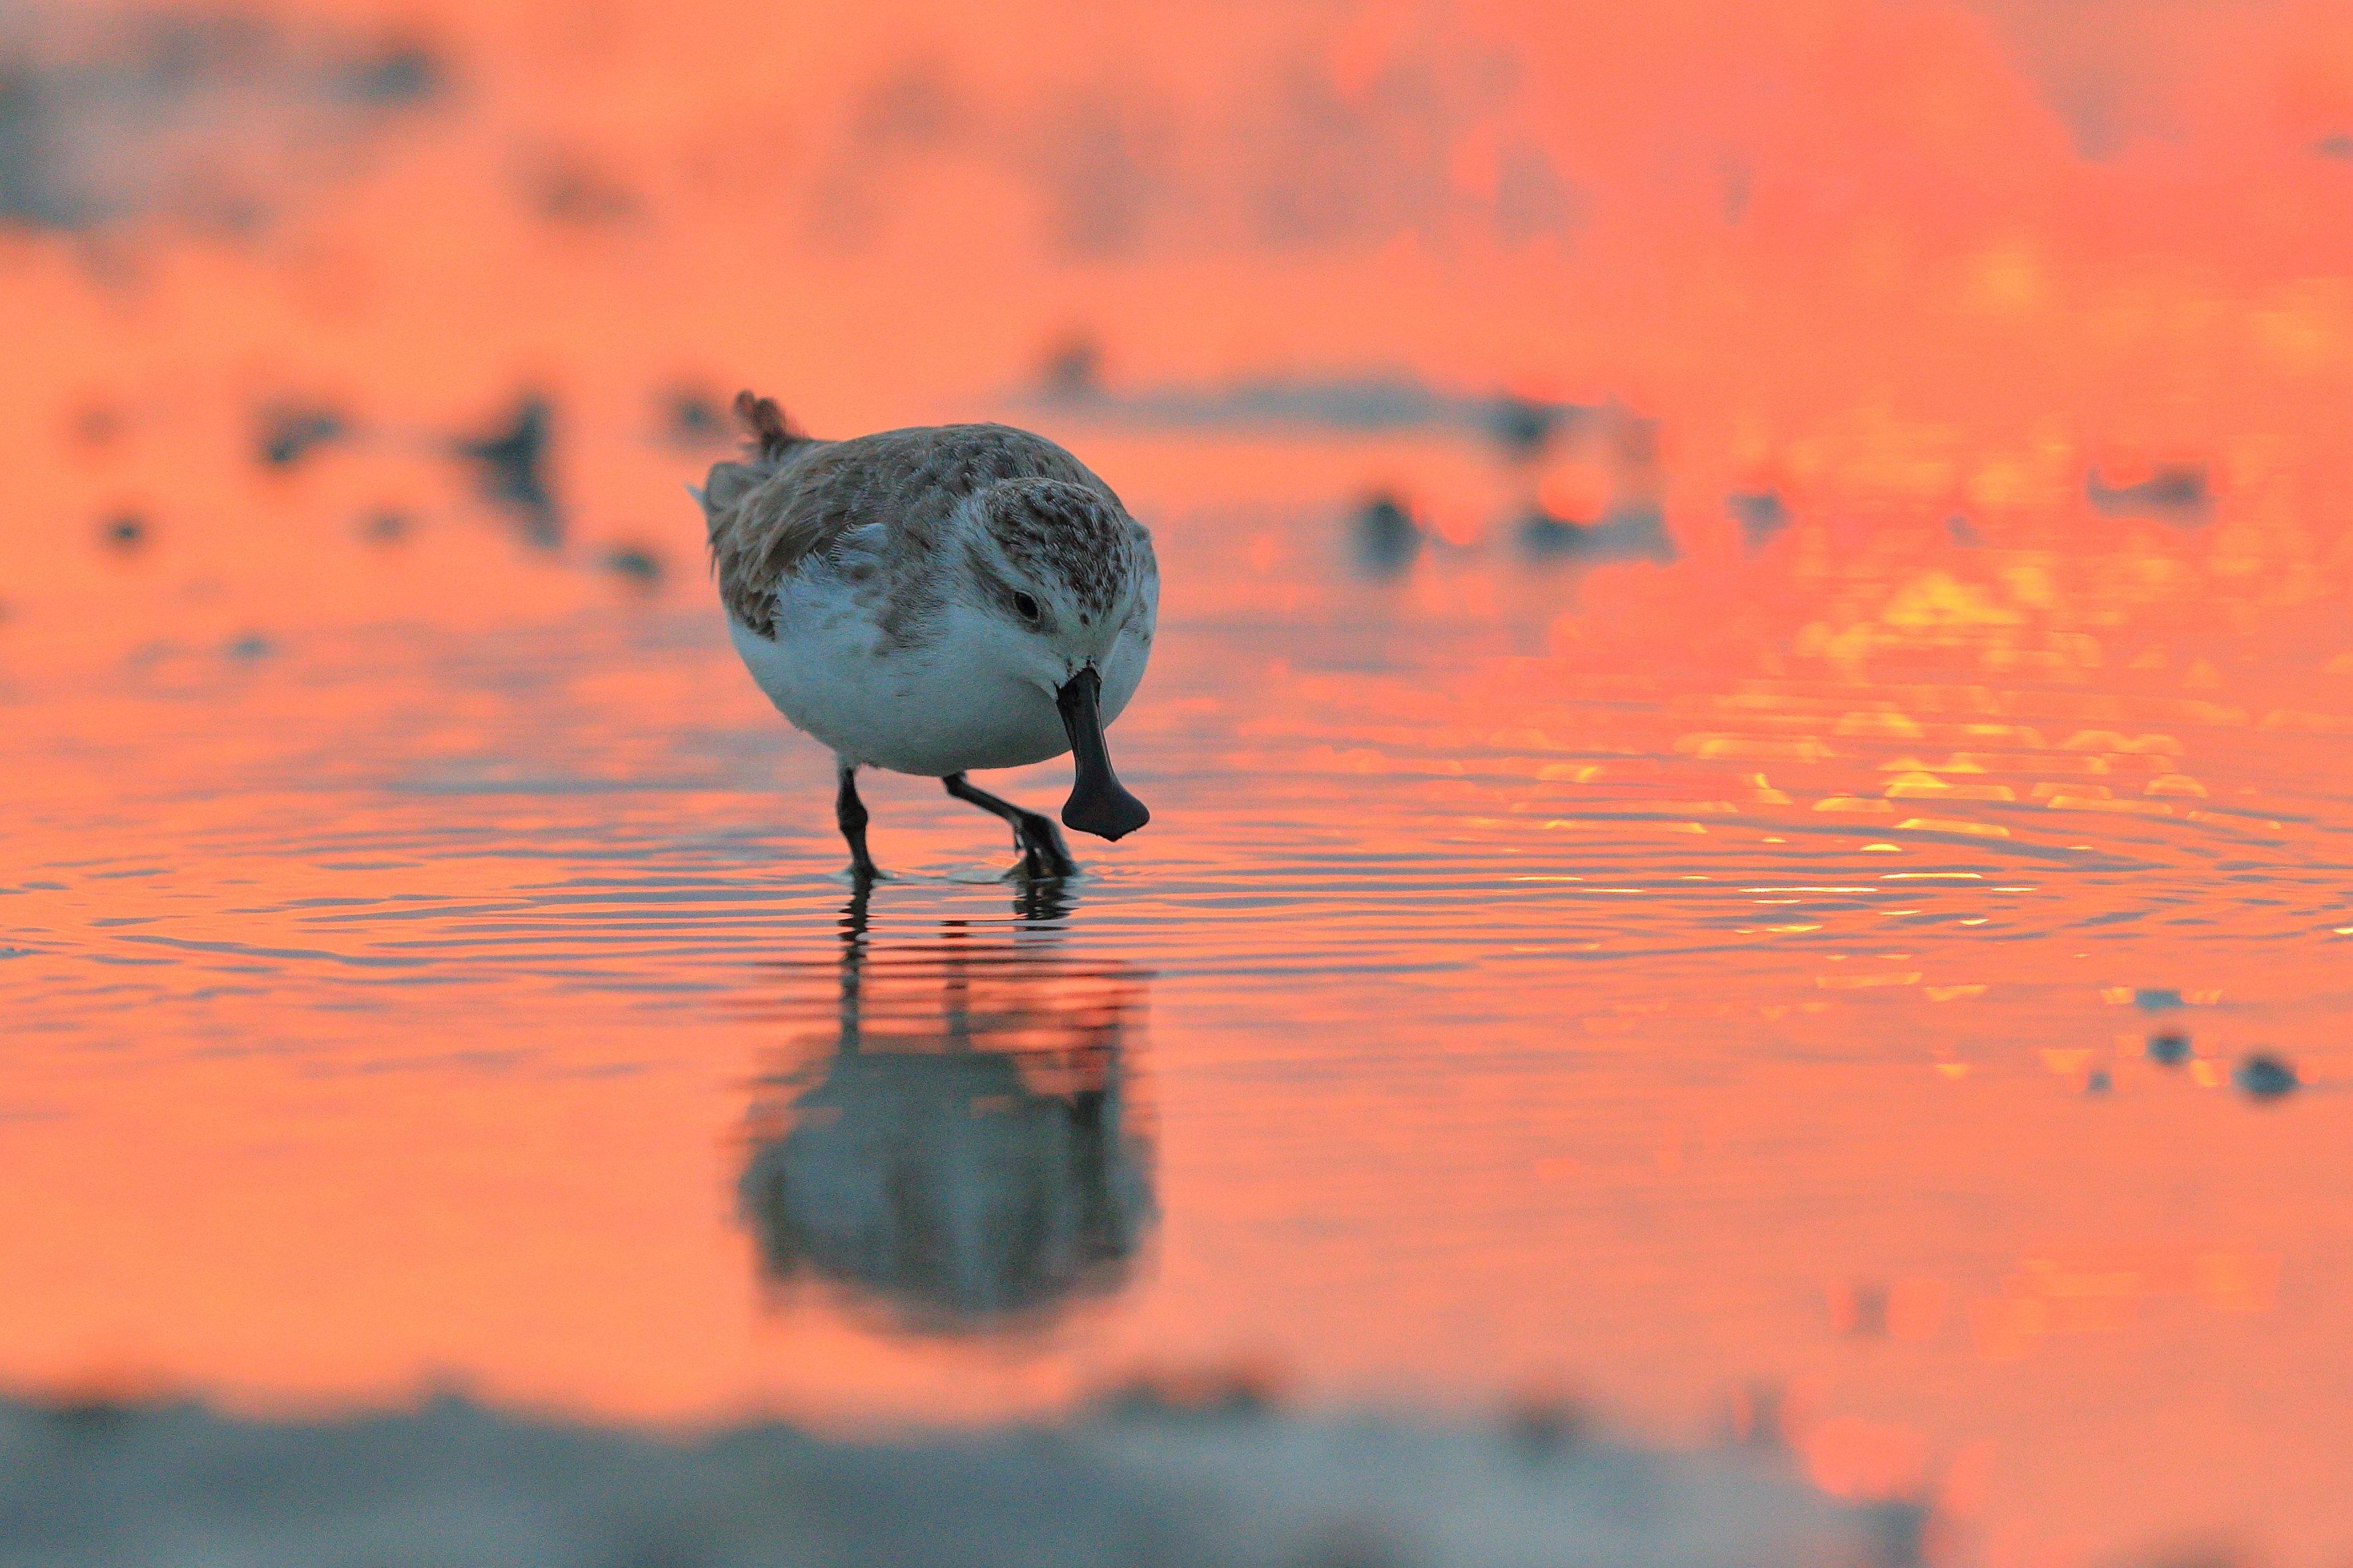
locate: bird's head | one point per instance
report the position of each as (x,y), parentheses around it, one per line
(1062,575)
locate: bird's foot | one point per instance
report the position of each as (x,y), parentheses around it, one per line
(1043,853)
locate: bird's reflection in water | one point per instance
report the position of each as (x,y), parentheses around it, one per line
(964,1153)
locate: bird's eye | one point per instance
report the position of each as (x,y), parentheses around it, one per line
(1026,606)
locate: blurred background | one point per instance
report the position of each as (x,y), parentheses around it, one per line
(1747,747)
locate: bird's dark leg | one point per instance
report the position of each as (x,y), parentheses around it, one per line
(851,813)
(1037,838)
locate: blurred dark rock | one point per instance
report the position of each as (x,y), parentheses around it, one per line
(1544,1425)
(569,186)
(86,1416)
(513,457)
(386,527)
(126,532)
(289,431)
(1761,514)
(2177,495)
(1522,426)
(2098,1081)
(1624,533)
(694,419)
(1963,533)
(97,424)
(637,564)
(2169,1049)
(2156,999)
(1385,534)
(251,645)
(2340,145)
(392,73)
(2263,1077)
(914,106)
(1863,1313)
(1074,371)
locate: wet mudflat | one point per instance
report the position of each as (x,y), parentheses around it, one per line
(1750,839)
(1489,1010)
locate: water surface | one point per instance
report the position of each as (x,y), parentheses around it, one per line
(1855,949)
(1488,1008)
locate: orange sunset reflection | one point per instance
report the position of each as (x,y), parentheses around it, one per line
(1746,741)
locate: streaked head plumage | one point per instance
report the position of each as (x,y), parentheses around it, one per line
(1059,560)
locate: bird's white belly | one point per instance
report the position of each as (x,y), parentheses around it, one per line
(913,710)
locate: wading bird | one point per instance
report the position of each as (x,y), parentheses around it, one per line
(935,600)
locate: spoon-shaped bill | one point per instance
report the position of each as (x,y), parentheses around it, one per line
(1098,804)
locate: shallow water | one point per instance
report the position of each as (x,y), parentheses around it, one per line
(1474,1018)
(1879,977)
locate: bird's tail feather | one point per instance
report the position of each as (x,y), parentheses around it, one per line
(770,437)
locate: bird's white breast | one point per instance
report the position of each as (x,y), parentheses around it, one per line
(935,708)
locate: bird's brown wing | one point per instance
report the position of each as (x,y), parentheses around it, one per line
(909,482)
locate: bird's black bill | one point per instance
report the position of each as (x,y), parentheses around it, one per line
(1098,804)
